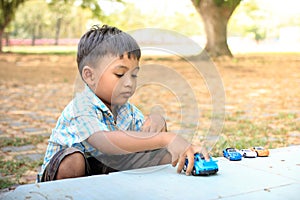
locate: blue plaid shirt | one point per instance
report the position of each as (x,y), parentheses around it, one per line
(85,115)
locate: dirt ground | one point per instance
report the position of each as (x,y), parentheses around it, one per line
(262,98)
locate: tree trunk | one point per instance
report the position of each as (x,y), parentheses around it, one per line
(1,35)
(7,42)
(8,10)
(2,28)
(58,26)
(33,36)
(215,17)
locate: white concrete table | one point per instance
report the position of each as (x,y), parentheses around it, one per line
(273,177)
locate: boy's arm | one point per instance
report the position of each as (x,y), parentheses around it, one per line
(122,142)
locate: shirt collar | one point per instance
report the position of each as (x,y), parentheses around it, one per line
(123,111)
(95,100)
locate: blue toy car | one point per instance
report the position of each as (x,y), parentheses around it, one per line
(232,154)
(201,166)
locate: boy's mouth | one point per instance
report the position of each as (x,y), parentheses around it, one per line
(126,94)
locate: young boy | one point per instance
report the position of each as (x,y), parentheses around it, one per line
(99,131)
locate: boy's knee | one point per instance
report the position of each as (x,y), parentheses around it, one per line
(71,166)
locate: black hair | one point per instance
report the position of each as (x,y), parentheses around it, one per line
(106,40)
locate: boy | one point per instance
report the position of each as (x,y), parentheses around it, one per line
(99,131)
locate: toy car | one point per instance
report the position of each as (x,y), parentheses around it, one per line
(261,151)
(201,166)
(247,153)
(232,154)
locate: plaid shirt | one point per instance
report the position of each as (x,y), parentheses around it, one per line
(85,115)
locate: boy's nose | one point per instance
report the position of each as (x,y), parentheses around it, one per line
(128,82)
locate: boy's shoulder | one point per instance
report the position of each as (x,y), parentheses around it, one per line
(86,103)
(81,104)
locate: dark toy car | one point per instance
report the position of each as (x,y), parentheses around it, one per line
(232,154)
(201,166)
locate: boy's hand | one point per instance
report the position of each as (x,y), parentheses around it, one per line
(180,149)
(190,155)
(154,123)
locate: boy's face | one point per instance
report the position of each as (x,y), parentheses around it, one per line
(116,79)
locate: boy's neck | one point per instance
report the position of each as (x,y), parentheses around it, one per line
(113,109)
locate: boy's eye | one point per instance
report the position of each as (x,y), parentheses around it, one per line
(119,75)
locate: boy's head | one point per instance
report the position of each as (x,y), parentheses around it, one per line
(108,62)
(99,42)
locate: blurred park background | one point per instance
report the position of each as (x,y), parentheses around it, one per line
(273,24)
(255,46)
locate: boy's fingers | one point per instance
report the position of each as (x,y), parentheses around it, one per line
(202,149)
(181,162)
(205,154)
(190,165)
(174,163)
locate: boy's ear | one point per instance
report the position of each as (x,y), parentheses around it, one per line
(88,75)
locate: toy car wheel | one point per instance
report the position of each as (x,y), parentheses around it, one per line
(194,172)
(184,167)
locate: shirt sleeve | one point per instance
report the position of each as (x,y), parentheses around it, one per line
(77,130)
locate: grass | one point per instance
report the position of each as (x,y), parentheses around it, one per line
(15,169)
(6,183)
(17,141)
(241,133)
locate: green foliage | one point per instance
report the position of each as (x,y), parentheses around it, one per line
(7,11)
(75,20)
(250,21)
(30,19)
(227,3)
(93,6)
(259,33)
(37,19)
(135,19)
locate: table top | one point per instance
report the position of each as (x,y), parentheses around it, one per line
(273,177)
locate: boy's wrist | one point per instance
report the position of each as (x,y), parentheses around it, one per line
(167,138)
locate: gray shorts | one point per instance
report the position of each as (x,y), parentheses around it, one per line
(105,164)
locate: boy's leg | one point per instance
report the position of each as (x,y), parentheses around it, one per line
(97,167)
(71,166)
(167,159)
(66,163)
(136,160)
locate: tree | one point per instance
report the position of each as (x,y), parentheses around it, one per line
(215,15)
(30,20)
(8,9)
(250,21)
(59,9)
